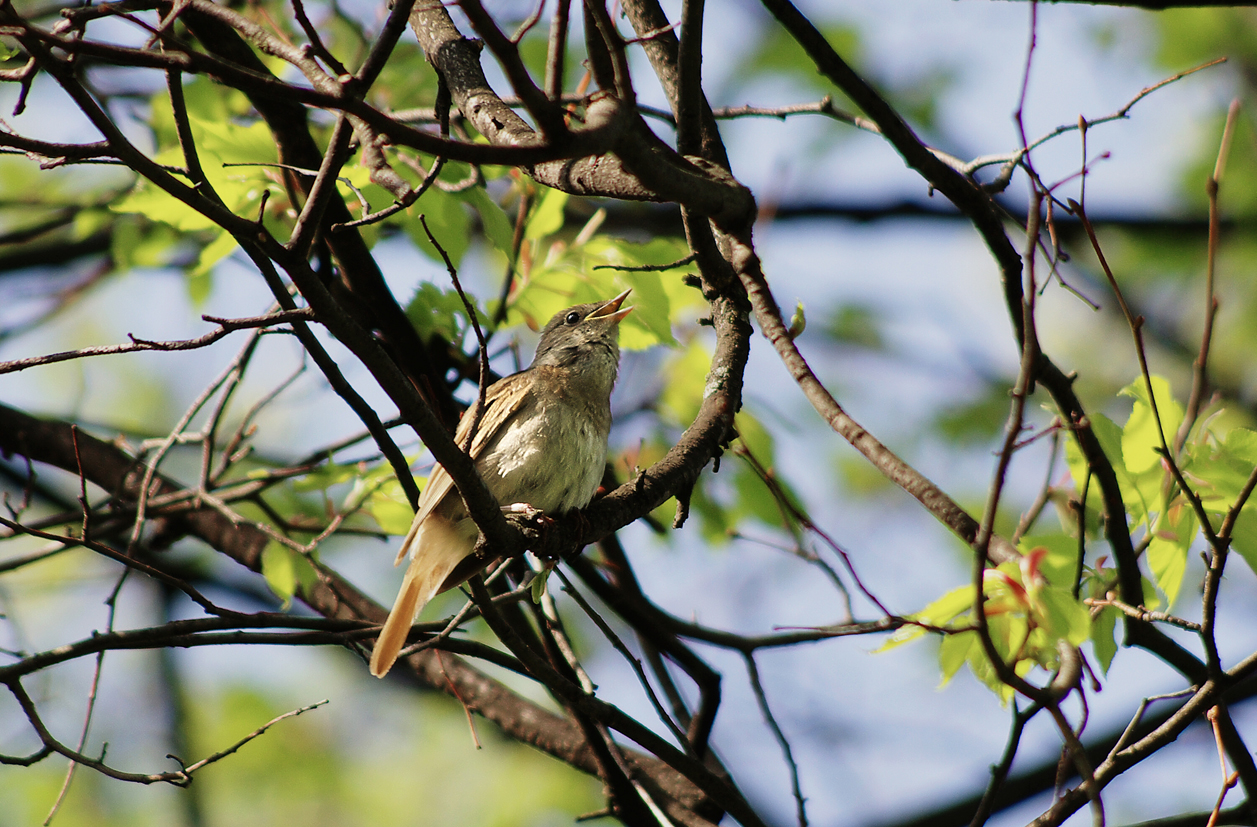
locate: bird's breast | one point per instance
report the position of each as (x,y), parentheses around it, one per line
(552,459)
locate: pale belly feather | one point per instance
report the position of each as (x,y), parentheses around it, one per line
(553,462)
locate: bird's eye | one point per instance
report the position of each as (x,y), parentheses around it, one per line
(572,318)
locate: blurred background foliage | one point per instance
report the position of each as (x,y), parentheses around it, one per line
(85,246)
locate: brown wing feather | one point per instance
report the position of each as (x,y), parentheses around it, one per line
(501,402)
(437,542)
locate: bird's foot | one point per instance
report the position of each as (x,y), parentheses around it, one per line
(530,520)
(527,512)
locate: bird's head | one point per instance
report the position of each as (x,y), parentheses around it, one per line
(583,336)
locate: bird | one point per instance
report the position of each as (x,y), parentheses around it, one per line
(541,440)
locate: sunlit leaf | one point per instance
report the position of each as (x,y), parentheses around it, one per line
(447,218)
(547,216)
(954,652)
(280,571)
(687,377)
(1167,552)
(1060,565)
(390,508)
(1103,640)
(1141,439)
(1241,443)
(1067,618)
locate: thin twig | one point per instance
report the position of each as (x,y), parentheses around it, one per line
(757,687)
(218,756)
(1200,367)
(1140,613)
(226,326)
(628,656)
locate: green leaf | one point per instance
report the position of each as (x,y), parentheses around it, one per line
(1167,550)
(139,243)
(87,222)
(390,508)
(326,476)
(497,226)
(1242,444)
(1244,535)
(947,608)
(1141,440)
(1138,494)
(407,80)
(954,651)
(858,325)
(568,275)
(1168,562)
(280,572)
(686,373)
(205,100)
(902,635)
(156,205)
(219,142)
(1006,633)
(448,220)
(941,613)
(547,216)
(538,586)
(1060,565)
(199,275)
(1103,636)
(1067,618)
(441,313)
(777,53)
(975,420)
(1110,438)
(798,321)
(754,498)
(714,520)
(860,477)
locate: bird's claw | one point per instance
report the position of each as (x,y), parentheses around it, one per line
(528,513)
(531,521)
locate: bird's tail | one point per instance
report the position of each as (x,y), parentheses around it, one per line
(437,548)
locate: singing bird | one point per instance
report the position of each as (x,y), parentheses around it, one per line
(542,440)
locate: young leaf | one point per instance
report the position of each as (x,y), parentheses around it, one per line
(1167,550)
(279,571)
(497,226)
(538,586)
(547,217)
(954,652)
(1244,535)
(1060,565)
(390,508)
(448,220)
(1141,439)
(1067,618)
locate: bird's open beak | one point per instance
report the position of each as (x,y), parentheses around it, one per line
(611,310)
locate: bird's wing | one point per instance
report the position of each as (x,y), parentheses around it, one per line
(502,401)
(438,539)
